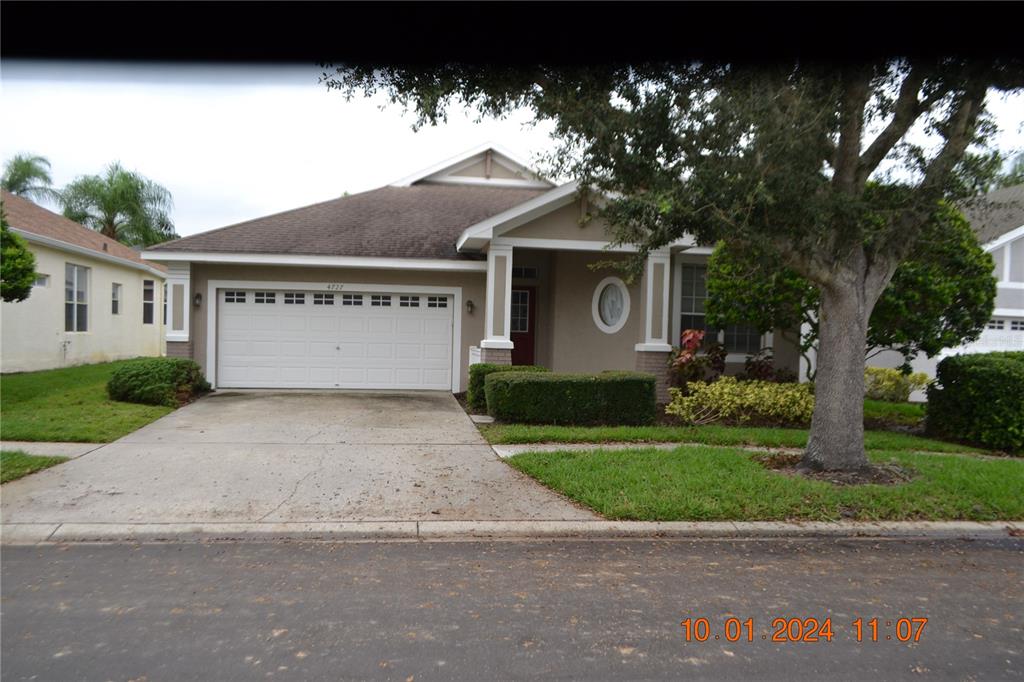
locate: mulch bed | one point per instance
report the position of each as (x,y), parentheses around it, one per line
(788,463)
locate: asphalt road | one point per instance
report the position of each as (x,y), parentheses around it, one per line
(483,611)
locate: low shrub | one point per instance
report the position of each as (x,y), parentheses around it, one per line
(475,396)
(626,398)
(883,383)
(157,381)
(696,359)
(763,403)
(761,367)
(979,398)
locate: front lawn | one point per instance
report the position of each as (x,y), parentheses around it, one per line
(14,464)
(69,404)
(711,434)
(701,483)
(897,414)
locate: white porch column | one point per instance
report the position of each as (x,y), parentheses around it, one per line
(497,346)
(656,303)
(179,308)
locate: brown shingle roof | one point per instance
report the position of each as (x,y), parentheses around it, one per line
(994,214)
(422,221)
(30,217)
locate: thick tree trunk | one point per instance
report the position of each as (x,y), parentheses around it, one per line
(837,427)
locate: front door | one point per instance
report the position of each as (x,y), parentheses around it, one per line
(522,326)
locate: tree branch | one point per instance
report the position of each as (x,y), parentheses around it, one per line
(846,157)
(905,113)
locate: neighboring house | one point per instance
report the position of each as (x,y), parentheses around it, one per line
(94,299)
(474,259)
(998,220)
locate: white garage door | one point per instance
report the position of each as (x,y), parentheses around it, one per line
(270,338)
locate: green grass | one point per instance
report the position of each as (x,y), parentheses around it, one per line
(908,414)
(699,483)
(14,464)
(705,435)
(69,404)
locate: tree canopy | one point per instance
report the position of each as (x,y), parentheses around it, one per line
(776,157)
(121,204)
(28,175)
(17,264)
(939,297)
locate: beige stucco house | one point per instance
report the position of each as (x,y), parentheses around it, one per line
(474,259)
(94,299)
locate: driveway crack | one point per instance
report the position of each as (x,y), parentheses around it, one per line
(295,489)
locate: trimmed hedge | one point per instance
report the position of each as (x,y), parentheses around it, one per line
(477,373)
(157,381)
(626,398)
(979,398)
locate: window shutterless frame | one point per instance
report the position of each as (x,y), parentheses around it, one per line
(115,299)
(148,300)
(76,298)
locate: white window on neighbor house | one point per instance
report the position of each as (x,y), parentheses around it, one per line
(995,324)
(41,280)
(737,338)
(163,300)
(76,298)
(148,300)
(115,299)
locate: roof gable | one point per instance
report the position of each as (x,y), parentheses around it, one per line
(994,215)
(487,165)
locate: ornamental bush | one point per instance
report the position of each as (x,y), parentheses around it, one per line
(883,383)
(763,403)
(614,398)
(979,398)
(157,381)
(477,373)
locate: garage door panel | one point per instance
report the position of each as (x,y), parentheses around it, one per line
(300,345)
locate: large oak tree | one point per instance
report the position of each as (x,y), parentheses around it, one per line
(780,156)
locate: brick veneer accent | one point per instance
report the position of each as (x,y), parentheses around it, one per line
(655,363)
(179,349)
(496,356)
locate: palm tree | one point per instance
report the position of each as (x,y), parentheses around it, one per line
(122,205)
(28,175)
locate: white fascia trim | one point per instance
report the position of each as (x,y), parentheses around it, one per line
(1008,312)
(1009,285)
(459,158)
(489,182)
(561,244)
(653,348)
(212,301)
(1004,238)
(81,250)
(523,213)
(368,262)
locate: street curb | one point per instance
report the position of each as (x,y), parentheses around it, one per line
(440,531)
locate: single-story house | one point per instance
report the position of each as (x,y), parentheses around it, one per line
(475,259)
(94,299)
(998,220)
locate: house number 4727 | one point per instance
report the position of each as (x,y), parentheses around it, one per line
(335,287)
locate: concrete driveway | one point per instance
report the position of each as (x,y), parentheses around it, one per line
(273,457)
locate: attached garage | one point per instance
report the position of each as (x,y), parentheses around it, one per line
(274,337)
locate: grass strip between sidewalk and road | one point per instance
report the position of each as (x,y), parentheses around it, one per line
(509,434)
(700,483)
(68,405)
(14,464)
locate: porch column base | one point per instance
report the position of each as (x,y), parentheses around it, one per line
(496,356)
(179,349)
(656,363)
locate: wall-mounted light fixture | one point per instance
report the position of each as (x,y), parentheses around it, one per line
(197,300)
(469,306)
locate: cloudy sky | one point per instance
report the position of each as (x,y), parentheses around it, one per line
(233,143)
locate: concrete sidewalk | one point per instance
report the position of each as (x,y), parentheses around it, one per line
(442,531)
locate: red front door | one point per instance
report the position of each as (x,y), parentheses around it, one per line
(522,326)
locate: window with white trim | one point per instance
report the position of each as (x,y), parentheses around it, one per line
(520,320)
(148,300)
(524,272)
(291,298)
(995,324)
(163,291)
(41,280)
(265,297)
(1017,325)
(76,298)
(115,299)
(737,338)
(351,299)
(380,301)
(234,297)
(409,301)
(437,301)
(323,299)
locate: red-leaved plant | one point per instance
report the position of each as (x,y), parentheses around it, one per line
(688,363)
